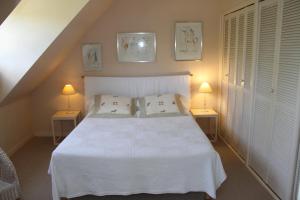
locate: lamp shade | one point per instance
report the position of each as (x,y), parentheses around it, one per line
(68,90)
(205,88)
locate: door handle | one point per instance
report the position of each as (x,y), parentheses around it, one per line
(272,91)
(242,82)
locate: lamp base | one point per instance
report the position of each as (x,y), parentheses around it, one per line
(69,106)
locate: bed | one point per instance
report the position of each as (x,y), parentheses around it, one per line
(122,156)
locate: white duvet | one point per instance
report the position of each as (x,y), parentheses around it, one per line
(124,156)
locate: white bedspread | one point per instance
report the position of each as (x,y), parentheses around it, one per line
(135,155)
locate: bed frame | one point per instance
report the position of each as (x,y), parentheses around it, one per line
(138,87)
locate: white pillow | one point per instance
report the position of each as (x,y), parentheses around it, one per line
(110,104)
(161,104)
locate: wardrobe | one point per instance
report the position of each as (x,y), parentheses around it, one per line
(260,89)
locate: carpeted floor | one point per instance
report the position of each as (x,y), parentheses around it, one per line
(33,159)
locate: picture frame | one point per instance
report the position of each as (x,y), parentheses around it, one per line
(92,56)
(136,47)
(188,41)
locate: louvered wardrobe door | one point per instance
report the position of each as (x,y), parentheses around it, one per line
(262,120)
(246,83)
(231,78)
(238,108)
(285,128)
(225,72)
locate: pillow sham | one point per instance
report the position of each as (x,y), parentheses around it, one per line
(159,106)
(112,104)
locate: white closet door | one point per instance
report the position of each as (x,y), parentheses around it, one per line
(238,108)
(285,128)
(231,77)
(225,72)
(262,120)
(246,83)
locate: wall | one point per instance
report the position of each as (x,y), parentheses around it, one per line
(15,124)
(15,118)
(136,16)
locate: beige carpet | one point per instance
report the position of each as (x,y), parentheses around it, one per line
(33,159)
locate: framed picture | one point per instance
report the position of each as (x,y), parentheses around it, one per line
(188,41)
(136,47)
(92,59)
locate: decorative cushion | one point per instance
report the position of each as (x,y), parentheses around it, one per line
(109,104)
(160,104)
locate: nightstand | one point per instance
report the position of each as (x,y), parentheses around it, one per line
(63,116)
(207,113)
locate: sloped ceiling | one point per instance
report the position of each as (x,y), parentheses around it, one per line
(231,5)
(54,51)
(6,6)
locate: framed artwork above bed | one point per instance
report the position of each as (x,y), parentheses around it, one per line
(136,47)
(188,41)
(92,58)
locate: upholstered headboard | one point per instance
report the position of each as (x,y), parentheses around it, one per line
(137,87)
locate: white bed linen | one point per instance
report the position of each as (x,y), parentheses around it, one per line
(125,156)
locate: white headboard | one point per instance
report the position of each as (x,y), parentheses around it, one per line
(137,87)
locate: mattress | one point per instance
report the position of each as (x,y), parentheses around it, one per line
(122,156)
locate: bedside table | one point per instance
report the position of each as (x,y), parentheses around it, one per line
(63,116)
(207,113)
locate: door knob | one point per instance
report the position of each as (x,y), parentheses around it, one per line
(272,90)
(242,82)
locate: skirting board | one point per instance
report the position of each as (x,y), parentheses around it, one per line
(20,144)
(250,169)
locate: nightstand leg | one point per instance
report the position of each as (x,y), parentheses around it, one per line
(211,128)
(207,197)
(53,132)
(61,129)
(217,129)
(58,138)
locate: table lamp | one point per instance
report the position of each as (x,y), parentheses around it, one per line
(68,90)
(205,88)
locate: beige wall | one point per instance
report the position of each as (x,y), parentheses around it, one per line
(15,124)
(15,118)
(136,16)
